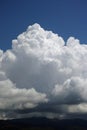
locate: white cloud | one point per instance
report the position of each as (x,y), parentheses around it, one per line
(16,98)
(80,108)
(72,91)
(41,69)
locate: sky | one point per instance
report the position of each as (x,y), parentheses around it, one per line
(43,59)
(64,17)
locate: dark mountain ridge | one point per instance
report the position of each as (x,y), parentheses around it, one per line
(43,123)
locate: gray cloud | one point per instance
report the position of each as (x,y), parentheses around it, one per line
(43,74)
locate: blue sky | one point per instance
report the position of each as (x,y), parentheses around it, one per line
(65,17)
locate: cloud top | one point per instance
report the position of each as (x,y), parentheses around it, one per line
(43,74)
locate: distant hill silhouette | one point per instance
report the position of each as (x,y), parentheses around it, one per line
(43,124)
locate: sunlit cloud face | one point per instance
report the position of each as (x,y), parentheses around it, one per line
(43,74)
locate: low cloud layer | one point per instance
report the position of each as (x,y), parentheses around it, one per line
(43,75)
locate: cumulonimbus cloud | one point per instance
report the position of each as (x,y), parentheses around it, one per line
(42,70)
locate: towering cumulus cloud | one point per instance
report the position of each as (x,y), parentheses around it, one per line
(43,74)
